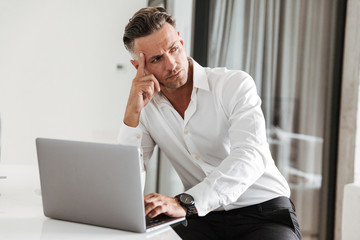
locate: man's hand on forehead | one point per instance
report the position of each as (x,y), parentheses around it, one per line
(142,90)
(141,60)
(141,72)
(141,65)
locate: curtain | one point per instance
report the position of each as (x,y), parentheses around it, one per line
(288,48)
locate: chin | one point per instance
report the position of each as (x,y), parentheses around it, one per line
(176,83)
(181,82)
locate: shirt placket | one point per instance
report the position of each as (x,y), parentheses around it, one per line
(188,138)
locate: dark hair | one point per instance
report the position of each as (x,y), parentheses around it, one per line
(145,22)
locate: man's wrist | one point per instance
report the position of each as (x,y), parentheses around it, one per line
(187,202)
(131,121)
(185,209)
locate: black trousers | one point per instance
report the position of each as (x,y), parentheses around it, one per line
(271,220)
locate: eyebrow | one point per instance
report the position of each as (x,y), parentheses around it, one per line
(157,56)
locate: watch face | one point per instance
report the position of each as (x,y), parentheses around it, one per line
(186,199)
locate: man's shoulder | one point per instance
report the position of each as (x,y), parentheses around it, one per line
(221,77)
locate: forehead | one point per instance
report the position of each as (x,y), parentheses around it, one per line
(156,42)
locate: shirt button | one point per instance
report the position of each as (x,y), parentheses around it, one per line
(197,157)
(209,208)
(138,136)
(186,132)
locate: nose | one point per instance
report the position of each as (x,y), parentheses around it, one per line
(170,62)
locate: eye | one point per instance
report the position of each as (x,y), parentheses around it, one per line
(156,59)
(174,49)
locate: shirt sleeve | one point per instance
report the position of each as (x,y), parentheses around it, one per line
(139,137)
(248,153)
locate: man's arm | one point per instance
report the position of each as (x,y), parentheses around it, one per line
(249,153)
(142,90)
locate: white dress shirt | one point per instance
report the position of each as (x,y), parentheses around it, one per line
(219,149)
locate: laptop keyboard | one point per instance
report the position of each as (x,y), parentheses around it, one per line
(158,220)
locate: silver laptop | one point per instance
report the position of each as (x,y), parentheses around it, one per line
(94,183)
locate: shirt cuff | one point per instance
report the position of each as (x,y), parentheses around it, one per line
(206,199)
(130,135)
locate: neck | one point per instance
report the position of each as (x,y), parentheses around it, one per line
(180,97)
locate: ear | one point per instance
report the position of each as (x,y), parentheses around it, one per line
(134,63)
(181,41)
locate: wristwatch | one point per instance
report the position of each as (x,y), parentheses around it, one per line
(186,200)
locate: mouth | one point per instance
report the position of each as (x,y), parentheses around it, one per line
(174,75)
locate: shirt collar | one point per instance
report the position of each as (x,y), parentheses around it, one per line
(199,76)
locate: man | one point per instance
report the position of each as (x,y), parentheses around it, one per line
(210,125)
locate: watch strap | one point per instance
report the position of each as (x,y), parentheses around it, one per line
(189,207)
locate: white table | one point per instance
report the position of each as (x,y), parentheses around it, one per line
(21,214)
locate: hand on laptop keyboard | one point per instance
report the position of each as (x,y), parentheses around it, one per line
(160,219)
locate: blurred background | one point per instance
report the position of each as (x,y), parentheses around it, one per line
(64,73)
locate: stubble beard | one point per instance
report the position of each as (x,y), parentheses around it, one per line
(178,82)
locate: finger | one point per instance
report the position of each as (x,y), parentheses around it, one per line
(141,69)
(146,87)
(150,195)
(157,84)
(151,201)
(156,211)
(150,206)
(152,78)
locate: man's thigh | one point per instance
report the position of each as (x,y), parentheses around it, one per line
(200,229)
(276,224)
(270,231)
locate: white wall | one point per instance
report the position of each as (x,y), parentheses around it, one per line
(58,75)
(348,165)
(182,11)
